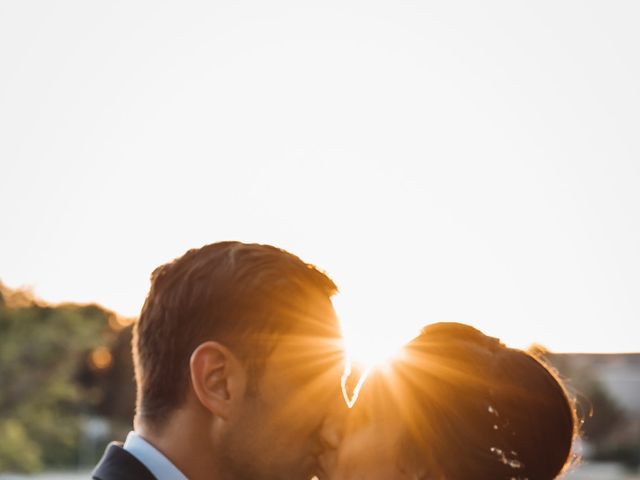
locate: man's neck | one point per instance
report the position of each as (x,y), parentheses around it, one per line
(185,442)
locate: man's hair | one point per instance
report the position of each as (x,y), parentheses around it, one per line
(242,295)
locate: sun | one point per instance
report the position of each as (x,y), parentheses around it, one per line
(371,338)
(369,350)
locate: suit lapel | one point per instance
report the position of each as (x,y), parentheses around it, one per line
(118,464)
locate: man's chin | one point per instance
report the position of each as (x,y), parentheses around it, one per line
(322,468)
(320,475)
(309,471)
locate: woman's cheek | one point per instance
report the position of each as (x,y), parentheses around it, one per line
(366,454)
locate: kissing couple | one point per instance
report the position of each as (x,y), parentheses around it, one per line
(238,363)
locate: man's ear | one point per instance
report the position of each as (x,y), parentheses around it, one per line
(218,378)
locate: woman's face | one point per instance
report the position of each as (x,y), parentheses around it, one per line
(371,447)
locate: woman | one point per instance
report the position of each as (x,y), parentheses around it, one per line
(458,405)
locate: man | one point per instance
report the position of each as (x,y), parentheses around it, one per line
(237,357)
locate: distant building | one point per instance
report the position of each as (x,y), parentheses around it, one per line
(619,374)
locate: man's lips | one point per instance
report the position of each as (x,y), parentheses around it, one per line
(321,473)
(324,462)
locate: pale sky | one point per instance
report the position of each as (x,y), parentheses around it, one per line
(468,161)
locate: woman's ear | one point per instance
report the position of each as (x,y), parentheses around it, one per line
(218,378)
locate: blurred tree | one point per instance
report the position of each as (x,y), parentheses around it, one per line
(18,453)
(42,349)
(116,384)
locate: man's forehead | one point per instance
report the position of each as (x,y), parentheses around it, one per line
(317,318)
(307,355)
(296,343)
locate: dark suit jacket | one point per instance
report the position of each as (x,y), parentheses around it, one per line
(118,464)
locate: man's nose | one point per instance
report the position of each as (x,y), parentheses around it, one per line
(332,428)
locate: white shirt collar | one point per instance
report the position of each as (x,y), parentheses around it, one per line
(152,458)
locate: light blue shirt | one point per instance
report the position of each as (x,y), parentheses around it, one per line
(152,458)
